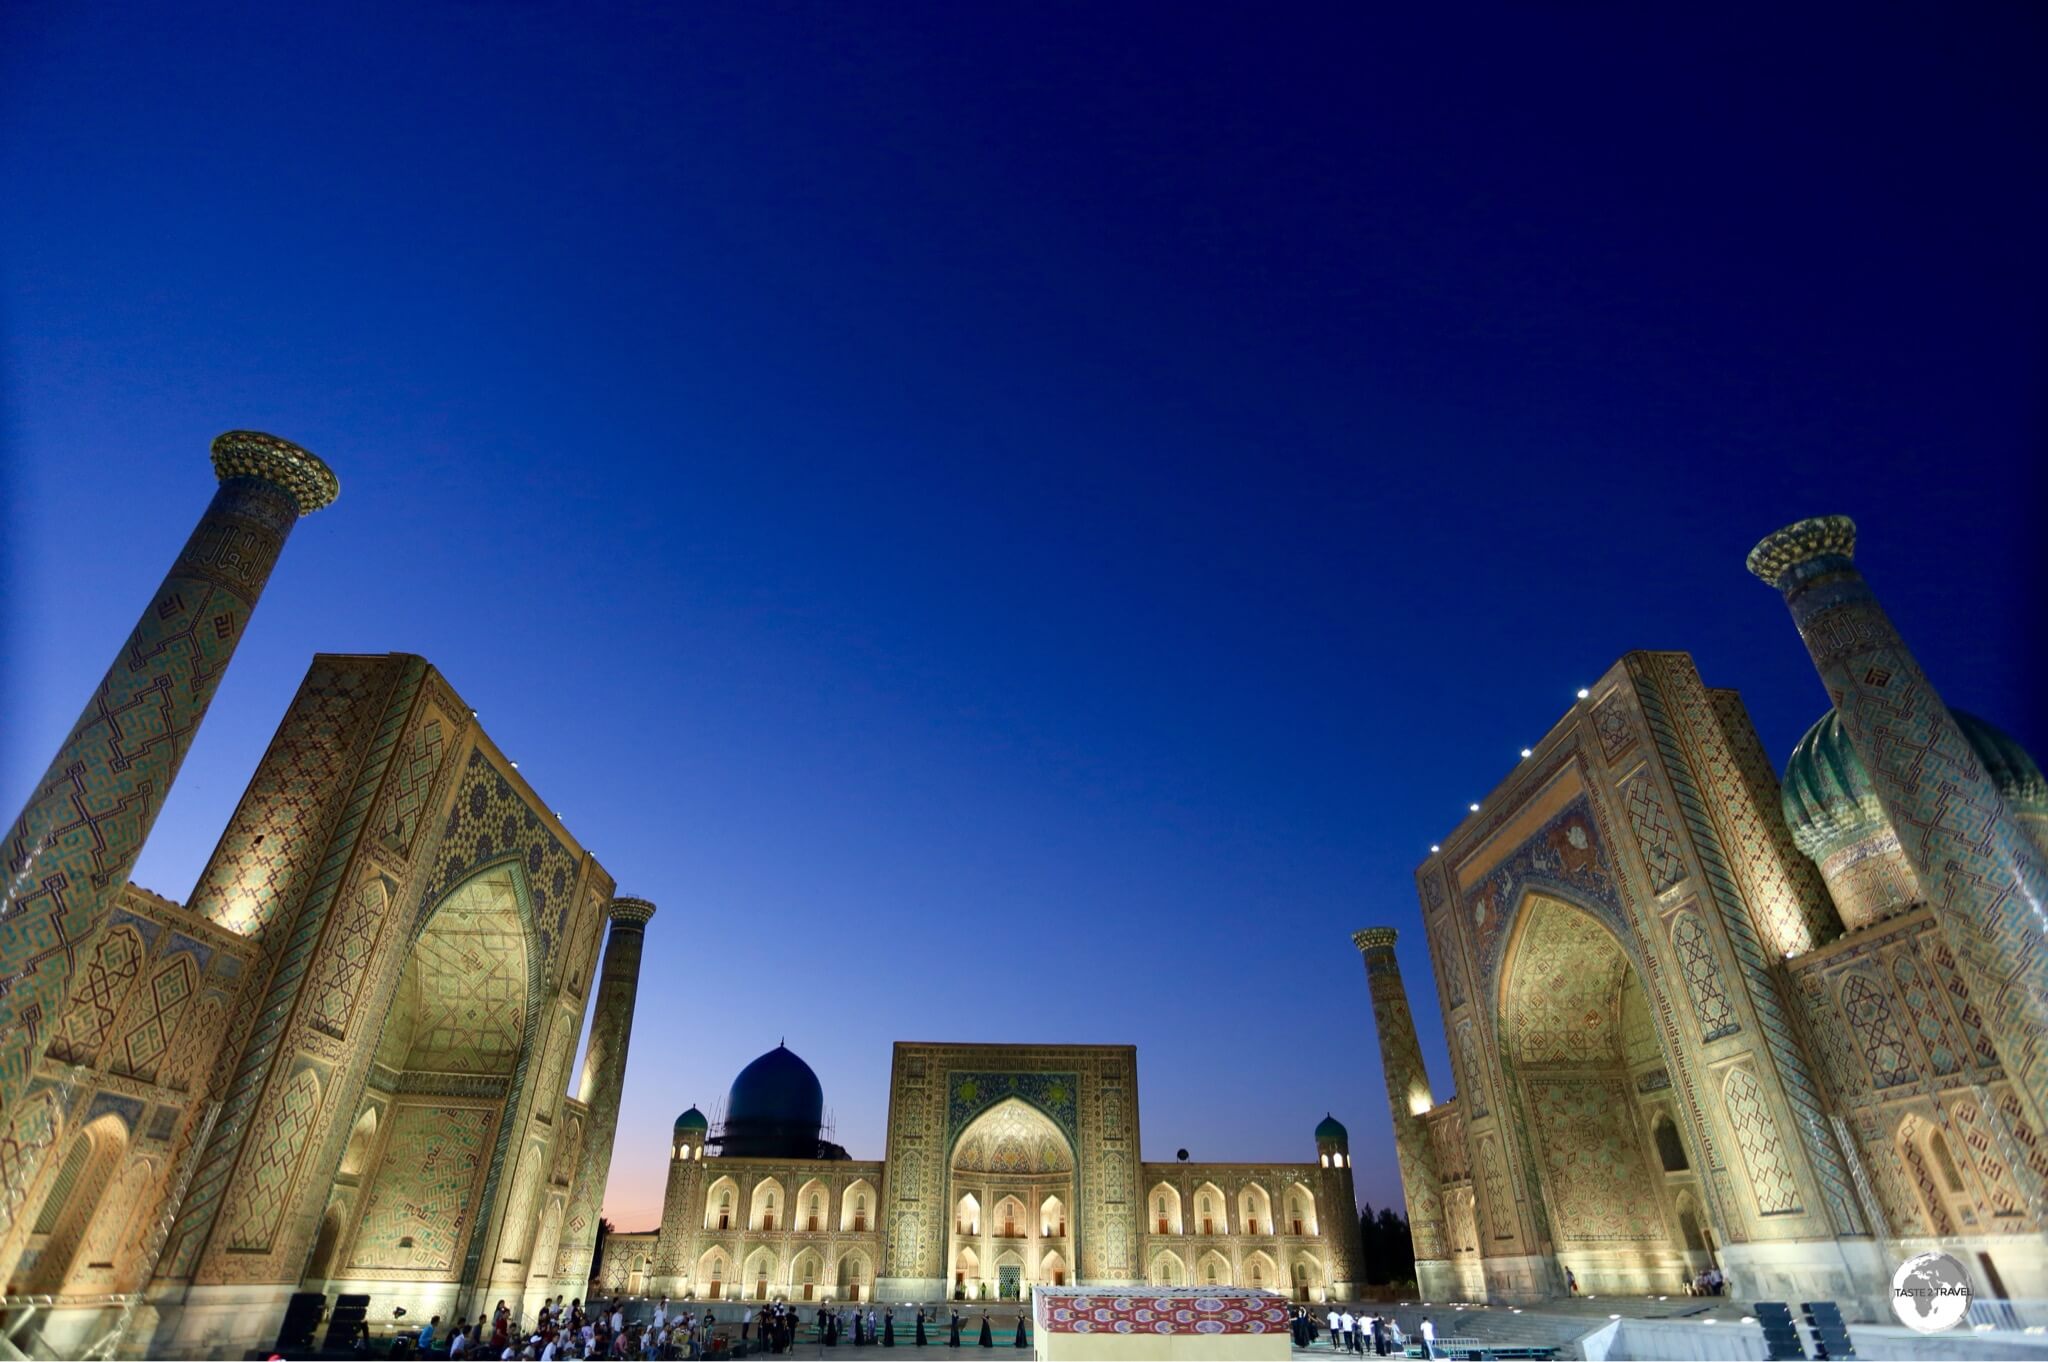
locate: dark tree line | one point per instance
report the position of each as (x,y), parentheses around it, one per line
(1389,1252)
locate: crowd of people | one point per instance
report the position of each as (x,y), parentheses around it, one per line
(562,1332)
(1380,1335)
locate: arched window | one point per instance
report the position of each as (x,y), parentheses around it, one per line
(813,1219)
(725,1209)
(1670,1150)
(1951,1176)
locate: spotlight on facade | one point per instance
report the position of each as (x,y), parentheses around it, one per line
(1527,751)
(1475,808)
(1434,848)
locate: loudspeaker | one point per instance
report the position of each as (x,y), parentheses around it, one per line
(349,1311)
(301,1317)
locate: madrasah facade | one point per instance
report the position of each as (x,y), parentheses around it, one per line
(1702,1017)
(1007,1167)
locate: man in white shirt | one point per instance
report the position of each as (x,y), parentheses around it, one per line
(459,1341)
(1428,1337)
(661,1314)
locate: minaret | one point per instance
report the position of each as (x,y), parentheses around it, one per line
(1409,1099)
(70,852)
(1337,1209)
(682,1210)
(1985,879)
(604,1072)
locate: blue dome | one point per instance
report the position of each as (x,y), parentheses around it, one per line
(692,1119)
(1330,1128)
(777,1090)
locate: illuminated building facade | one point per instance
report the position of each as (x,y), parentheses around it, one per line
(1008,1167)
(1699,1018)
(342,1065)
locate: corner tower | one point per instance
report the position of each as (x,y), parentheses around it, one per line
(1337,1208)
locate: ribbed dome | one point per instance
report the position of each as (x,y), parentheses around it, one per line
(1330,1128)
(778,1089)
(692,1119)
(1828,800)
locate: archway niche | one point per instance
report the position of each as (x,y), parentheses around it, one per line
(1012,1174)
(454,1044)
(1581,1044)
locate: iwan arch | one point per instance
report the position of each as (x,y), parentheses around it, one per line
(1699,1019)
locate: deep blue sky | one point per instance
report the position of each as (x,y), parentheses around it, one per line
(1021,524)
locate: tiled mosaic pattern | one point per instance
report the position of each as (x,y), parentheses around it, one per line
(416,1217)
(1763,1149)
(1976,864)
(70,852)
(1598,1185)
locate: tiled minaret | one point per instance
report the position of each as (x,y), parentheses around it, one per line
(1985,879)
(604,1072)
(1408,1094)
(70,852)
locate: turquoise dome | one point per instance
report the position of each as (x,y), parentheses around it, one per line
(1330,1128)
(692,1120)
(1829,803)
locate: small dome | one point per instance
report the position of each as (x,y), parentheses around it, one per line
(778,1089)
(1827,796)
(690,1120)
(1330,1128)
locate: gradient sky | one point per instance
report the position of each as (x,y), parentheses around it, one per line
(1020,524)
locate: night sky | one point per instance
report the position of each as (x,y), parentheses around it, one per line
(1021,524)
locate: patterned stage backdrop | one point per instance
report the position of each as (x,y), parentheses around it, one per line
(1161,1310)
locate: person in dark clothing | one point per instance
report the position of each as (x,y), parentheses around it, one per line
(920,1327)
(1023,1339)
(889,1328)
(953,1331)
(860,1330)
(988,1339)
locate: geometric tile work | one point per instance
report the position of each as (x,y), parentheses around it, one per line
(1565,988)
(346,960)
(490,820)
(2006,1202)
(393,682)
(1929,1015)
(1944,962)
(1763,1151)
(471,967)
(97,1000)
(1473,1077)
(412,781)
(1868,1008)
(1611,722)
(419,1202)
(272,1167)
(1933,1205)
(27,1133)
(1598,1186)
(1983,875)
(1565,854)
(1702,975)
(68,855)
(1770,898)
(258,873)
(156,1020)
(2031,1147)
(1653,831)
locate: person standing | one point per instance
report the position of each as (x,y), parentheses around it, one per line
(953,1329)
(988,1339)
(1428,1337)
(1571,1282)
(1023,1338)
(889,1327)
(920,1326)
